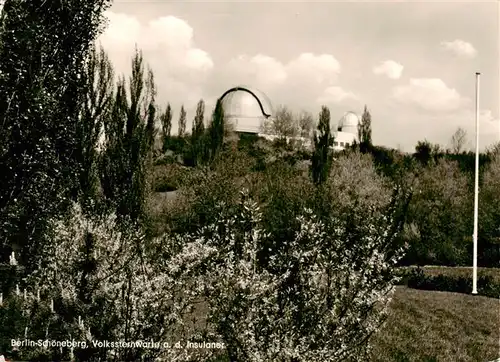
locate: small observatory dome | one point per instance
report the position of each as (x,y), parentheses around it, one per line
(246,108)
(349,123)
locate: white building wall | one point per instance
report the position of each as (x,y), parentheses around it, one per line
(342,140)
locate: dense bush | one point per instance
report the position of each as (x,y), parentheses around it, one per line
(354,180)
(106,282)
(327,292)
(204,188)
(176,144)
(489,215)
(418,279)
(325,298)
(283,193)
(169,177)
(439,222)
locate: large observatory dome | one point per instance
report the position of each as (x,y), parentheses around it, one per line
(349,123)
(246,108)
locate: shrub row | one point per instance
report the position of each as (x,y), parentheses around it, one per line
(418,279)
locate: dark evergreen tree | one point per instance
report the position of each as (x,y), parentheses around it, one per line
(322,155)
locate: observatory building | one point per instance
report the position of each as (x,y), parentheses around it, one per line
(246,109)
(346,131)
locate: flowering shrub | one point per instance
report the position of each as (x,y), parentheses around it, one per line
(324,303)
(105,284)
(319,299)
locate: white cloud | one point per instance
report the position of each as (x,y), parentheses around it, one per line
(389,68)
(430,94)
(122,30)
(168,47)
(305,69)
(259,69)
(336,95)
(460,48)
(322,68)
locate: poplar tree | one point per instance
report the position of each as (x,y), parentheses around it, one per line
(130,132)
(198,149)
(182,122)
(98,78)
(216,130)
(365,129)
(42,58)
(322,156)
(166,126)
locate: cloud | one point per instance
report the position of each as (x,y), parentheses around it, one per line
(305,69)
(322,68)
(168,47)
(389,68)
(335,94)
(429,94)
(460,48)
(260,69)
(297,83)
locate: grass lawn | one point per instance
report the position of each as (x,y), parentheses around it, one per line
(439,326)
(435,326)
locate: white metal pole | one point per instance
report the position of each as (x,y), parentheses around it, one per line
(476,192)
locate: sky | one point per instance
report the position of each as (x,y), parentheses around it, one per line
(411,63)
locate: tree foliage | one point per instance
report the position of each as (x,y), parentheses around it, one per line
(458,140)
(365,128)
(105,282)
(99,88)
(129,133)
(322,156)
(284,124)
(216,130)
(489,213)
(306,124)
(199,149)
(182,122)
(166,126)
(427,153)
(440,215)
(323,305)
(42,65)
